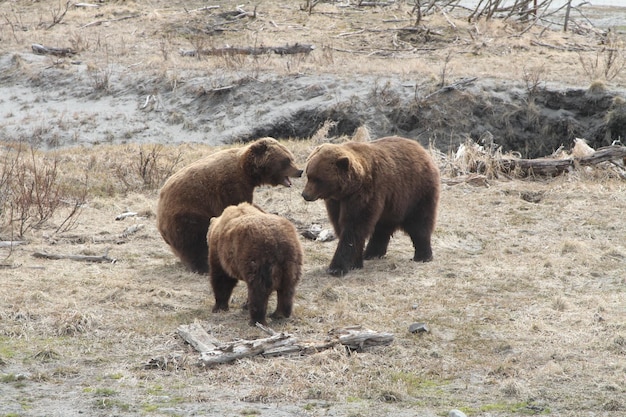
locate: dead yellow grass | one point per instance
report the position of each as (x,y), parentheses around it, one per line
(116,38)
(524,301)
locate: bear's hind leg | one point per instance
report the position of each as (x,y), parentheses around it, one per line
(222,285)
(423,249)
(260,288)
(284,304)
(378,243)
(420,231)
(190,243)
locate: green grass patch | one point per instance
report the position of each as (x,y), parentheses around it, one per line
(414,384)
(105,392)
(109,403)
(523,408)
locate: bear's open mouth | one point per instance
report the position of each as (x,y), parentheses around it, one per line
(286,182)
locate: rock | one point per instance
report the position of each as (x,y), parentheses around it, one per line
(532,196)
(325,235)
(315,232)
(456,413)
(312,232)
(418,328)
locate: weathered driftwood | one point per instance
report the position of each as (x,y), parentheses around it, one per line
(213,353)
(551,167)
(11,243)
(99,22)
(84,258)
(126,214)
(197,337)
(49,50)
(118,239)
(260,50)
(357,338)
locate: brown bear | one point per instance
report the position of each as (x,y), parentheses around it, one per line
(371,190)
(261,249)
(200,191)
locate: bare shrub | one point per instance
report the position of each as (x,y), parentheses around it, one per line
(149,170)
(607,63)
(15,22)
(101,77)
(58,13)
(33,191)
(309,5)
(532,79)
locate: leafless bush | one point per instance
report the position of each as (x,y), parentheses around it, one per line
(149,170)
(101,78)
(532,78)
(14,21)
(33,192)
(607,62)
(444,69)
(58,13)
(309,5)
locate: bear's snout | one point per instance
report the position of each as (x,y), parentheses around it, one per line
(298,173)
(308,197)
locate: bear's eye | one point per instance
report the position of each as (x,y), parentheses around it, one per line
(285,163)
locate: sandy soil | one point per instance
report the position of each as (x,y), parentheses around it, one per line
(524,300)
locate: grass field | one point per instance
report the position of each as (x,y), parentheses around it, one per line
(525,300)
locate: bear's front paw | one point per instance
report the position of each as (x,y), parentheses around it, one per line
(277,315)
(218,308)
(423,258)
(337,272)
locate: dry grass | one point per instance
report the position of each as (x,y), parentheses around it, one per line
(348,40)
(524,301)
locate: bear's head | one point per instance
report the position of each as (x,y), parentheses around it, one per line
(267,161)
(333,172)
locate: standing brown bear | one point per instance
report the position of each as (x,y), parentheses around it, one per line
(200,191)
(371,190)
(261,249)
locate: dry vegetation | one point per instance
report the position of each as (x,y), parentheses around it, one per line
(524,301)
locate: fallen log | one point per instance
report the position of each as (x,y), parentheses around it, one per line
(552,167)
(260,50)
(126,214)
(197,337)
(212,352)
(83,258)
(11,243)
(49,50)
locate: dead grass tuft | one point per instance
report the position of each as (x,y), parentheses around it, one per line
(73,323)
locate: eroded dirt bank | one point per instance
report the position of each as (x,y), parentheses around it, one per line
(63,107)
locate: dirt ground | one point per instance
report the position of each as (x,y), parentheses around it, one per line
(524,301)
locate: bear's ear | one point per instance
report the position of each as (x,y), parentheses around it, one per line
(343,163)
(259,148)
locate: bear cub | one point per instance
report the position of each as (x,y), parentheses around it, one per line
(201,190)
(370,191)
(247,244)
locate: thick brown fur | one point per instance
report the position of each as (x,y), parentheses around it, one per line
(371,190)
(247,244)
(200,191)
